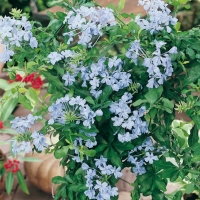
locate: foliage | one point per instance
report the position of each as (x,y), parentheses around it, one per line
(24,5)
(114,90)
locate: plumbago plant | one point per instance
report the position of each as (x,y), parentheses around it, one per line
(114,88)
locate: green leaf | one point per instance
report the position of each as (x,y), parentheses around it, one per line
(78,188)
(32,95)
(177,26)
(7,108)
(169,105)
(100,147)
(196,158)
(21,181)
(9,182)
(146,184)
(160,184)
(90,100)
(158,195)
(190,53)
(24,101)
(193,137)
(121,4)
(30,159)
(52,79)
(123,146)
(114,157)
(139,102)
(153,94)
(3,84)
(60,153)
(90,153)
(105,94)
(58,180)
(166,169)
(61,15)
(193,74)
(178,196)
(189,188)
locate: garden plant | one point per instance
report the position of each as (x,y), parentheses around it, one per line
(114,89)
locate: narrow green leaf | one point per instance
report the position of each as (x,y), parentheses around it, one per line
(21,181)
(9,182)
(90,100)
(8,108)
(30,159)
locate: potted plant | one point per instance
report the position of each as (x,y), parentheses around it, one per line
(110,107)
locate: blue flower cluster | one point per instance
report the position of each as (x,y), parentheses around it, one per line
(141,155)
(134,51)
(54,57)
(98,188)
(101,73)
(69,109)
(159,66)
(159,16)
(158,62)
(88,22)
(26,138)
(14,33)
(130,123)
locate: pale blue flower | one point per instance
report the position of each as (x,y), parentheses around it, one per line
(15,147)
(101,186)
(54,57)
(90,144)
(84,166)
(22,124)
(94,83)
(99,113)
(117,172)
(115,62)
(106,169)
(25,146)
(101,161)
(150,158)
(39,141)
(68,78)
(90,194)
(33,42)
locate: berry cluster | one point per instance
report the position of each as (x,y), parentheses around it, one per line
(34,79)
(12,165)
(1,125)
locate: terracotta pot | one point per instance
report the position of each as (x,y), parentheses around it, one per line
(124,196)
(41,173)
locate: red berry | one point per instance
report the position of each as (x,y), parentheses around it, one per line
(1,125)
